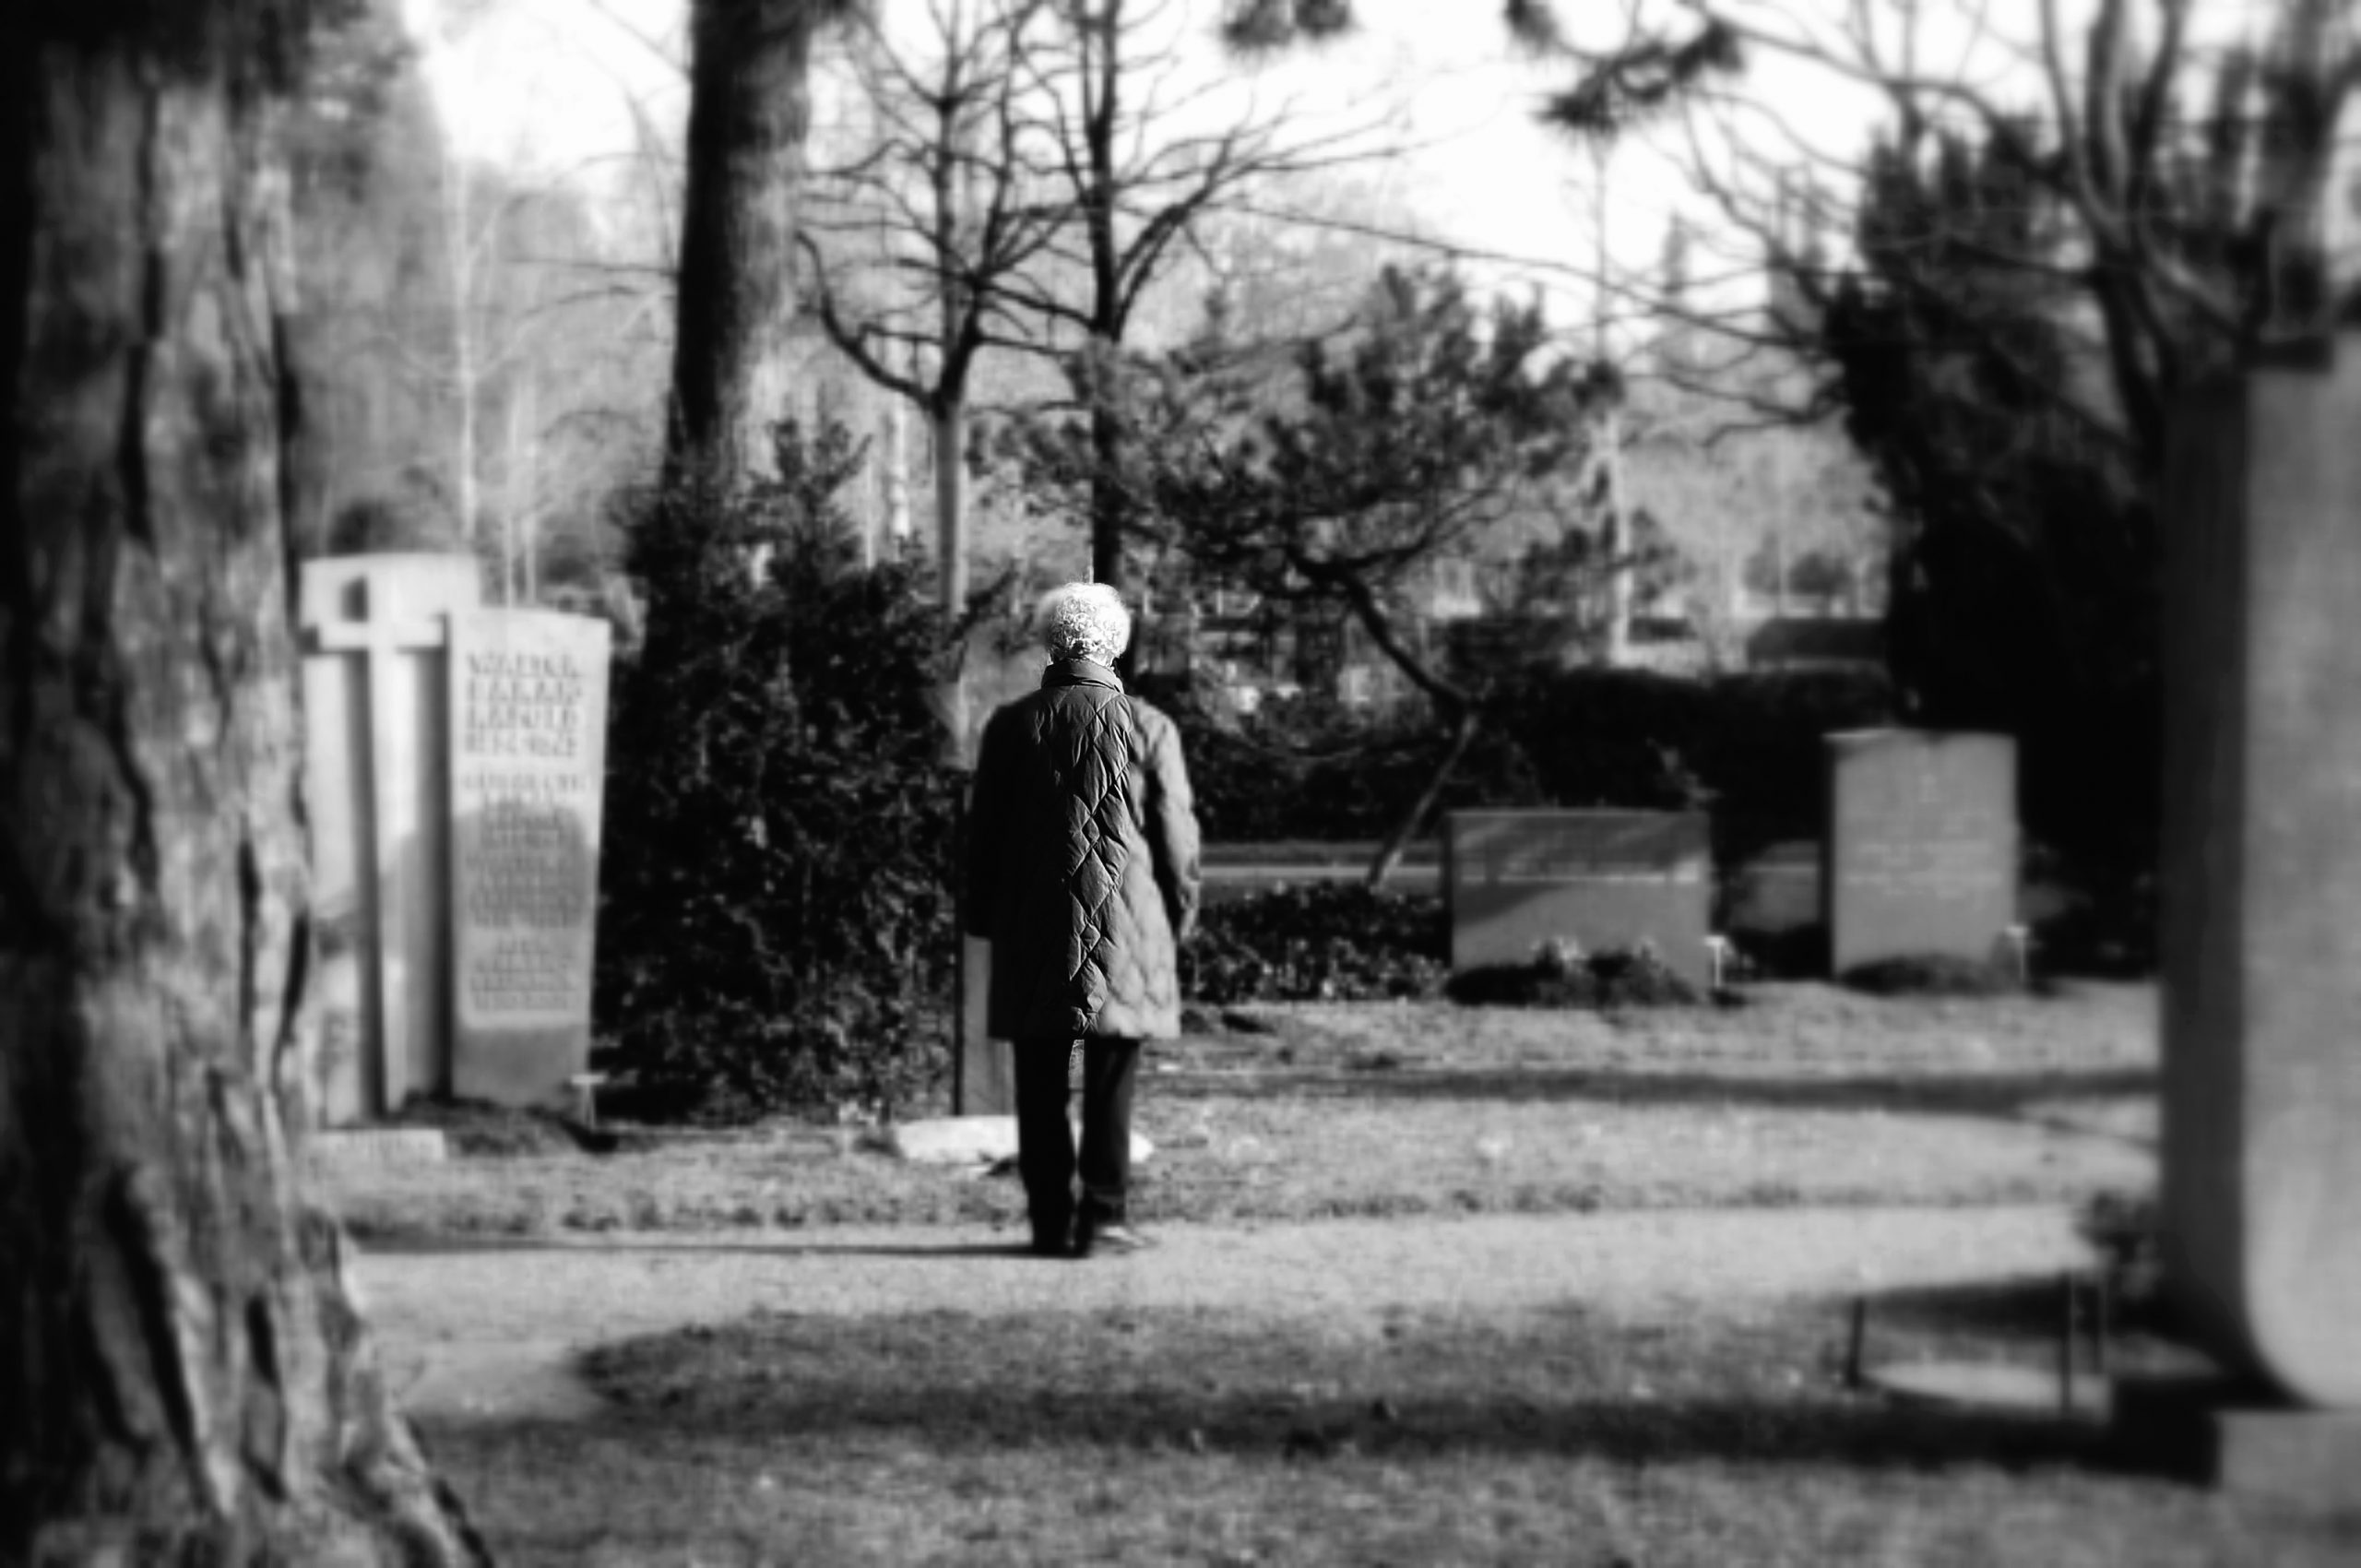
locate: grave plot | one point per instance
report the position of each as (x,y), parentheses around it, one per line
(1600,879)
(1921,847)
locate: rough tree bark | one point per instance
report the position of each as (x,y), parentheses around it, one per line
(749,109)
(184,1377)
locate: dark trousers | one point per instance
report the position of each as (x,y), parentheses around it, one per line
(1045,1147)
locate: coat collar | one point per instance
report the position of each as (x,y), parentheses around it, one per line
(1080,672)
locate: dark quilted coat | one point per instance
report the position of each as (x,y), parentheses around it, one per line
(1081,861)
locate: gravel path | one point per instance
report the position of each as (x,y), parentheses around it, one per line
(492,1331)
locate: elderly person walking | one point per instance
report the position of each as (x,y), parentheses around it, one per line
(1082,872)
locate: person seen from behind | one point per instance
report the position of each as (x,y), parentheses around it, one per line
(1082,873)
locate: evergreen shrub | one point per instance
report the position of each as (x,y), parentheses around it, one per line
(776,931)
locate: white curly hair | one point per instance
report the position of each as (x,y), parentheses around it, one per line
(1084,620)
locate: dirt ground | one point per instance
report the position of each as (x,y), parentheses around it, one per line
(493,1332)
(1334,1164)
(1430,1285)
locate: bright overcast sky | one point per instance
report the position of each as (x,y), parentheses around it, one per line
(550,84)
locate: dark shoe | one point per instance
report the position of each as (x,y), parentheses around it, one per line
(1050,1244)
(1112,1237)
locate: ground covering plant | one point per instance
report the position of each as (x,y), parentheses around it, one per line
(1561,975)
(1346,941)
(776,926)
(1932,974)
(1318,941)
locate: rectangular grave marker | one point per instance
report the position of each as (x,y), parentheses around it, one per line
(1604,879)
(984,1076)
(983,1070)
(527,704)
(1921,845)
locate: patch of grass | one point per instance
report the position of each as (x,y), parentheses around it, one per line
(1177,1436)
(474,1129)
(1812,1095)
(1585,1146)
(786,1178)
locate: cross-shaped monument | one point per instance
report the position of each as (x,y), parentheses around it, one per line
(375,639)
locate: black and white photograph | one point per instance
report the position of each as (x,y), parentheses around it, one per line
(1181,783)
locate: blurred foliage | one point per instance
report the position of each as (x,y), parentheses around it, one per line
(1333,480)
(476,342)
(2025,593)
(1749,746)
(1342,942)
(777,928)
(1310,767)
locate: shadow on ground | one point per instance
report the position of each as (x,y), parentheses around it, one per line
(1179,1436)
(2005,1095)
(1764,1391)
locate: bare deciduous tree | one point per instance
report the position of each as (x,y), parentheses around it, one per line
(1138,183)
(749,115)
(911,245)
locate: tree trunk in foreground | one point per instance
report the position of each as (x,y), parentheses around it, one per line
(749,112)
(183,1376)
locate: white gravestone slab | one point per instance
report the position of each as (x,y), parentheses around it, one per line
(529,743)
(1922,844)
(2262,876)
(375,781)
(1604,879)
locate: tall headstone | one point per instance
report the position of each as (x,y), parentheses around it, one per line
(1922,844)
(452,959)
(528,708)
(1604,879)
(2262,927)
(376,783)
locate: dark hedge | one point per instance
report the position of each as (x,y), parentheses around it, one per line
(776,928)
